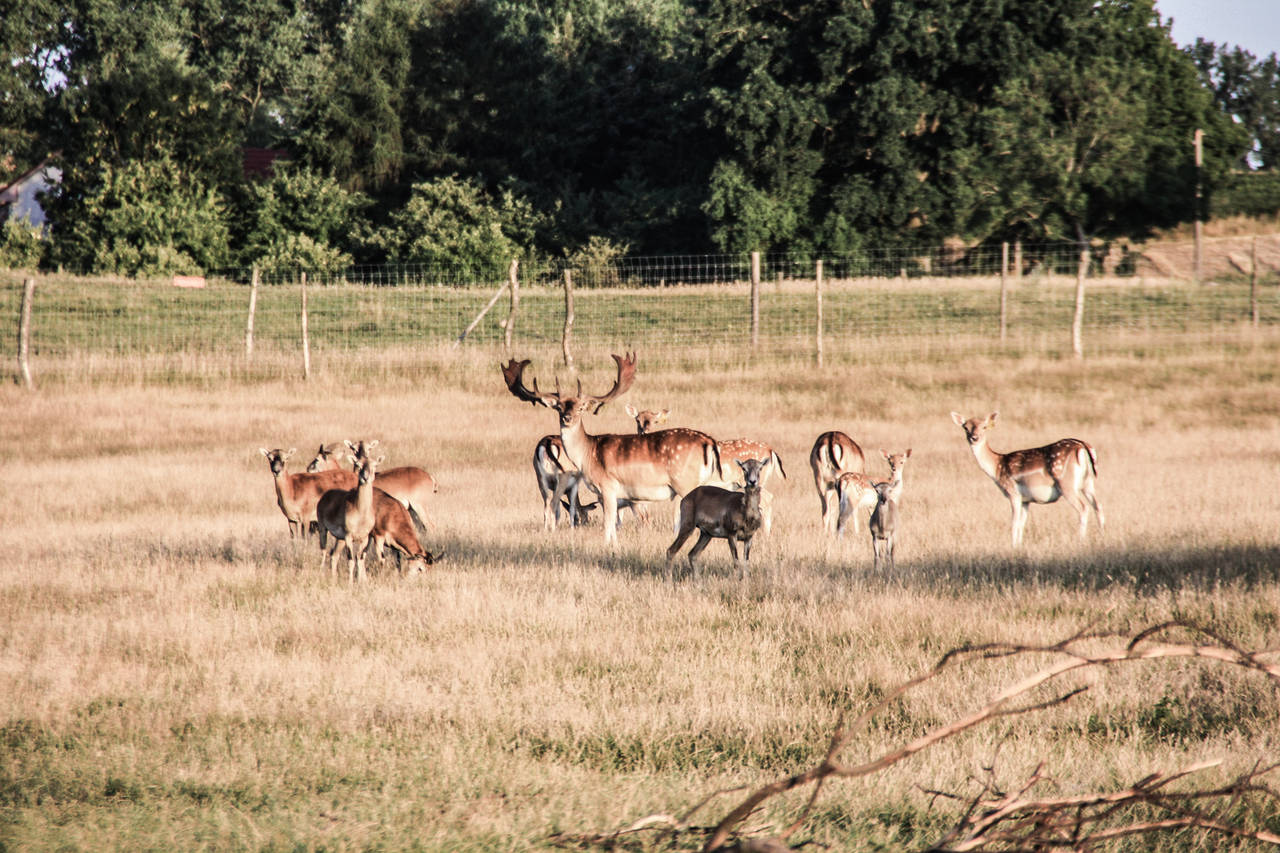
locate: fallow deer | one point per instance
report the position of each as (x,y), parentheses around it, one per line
(558,482)
(722,514)
(856,491)
(1065,469)
(883,523)
(298,494)
(656,466)
(410,485)
(833,454)
(647,419)
(348,515)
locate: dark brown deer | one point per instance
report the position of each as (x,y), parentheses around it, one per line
(722,514)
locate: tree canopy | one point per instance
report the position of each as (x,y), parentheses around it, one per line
(458,130)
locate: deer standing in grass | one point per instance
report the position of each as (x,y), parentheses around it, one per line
(657,466)
(722,514)
(833,455)
(1065,469)
(298,494)
(558,482)
(855,491)
(348,515)
(883,523)
(410,485)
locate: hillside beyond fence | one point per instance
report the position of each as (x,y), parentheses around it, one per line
(781,308)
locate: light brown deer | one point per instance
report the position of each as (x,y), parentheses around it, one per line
(298,494)
(348,515)
(722,514)
(657,466)
(856,491)
(833,454)
(1065,469)
(648,419)
(410,485)
(392,526)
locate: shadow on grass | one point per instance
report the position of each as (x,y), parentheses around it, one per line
(1144,570)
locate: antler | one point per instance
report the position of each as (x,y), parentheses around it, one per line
(513,373)
(626,375)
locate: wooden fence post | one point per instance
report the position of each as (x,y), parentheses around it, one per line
(306,341)
(1017,259)
(253,307)
(1004,289)
(513,282)
(568,317)
(1077,323)
(755,299)
(24,330)
(818,323)
(1253,281)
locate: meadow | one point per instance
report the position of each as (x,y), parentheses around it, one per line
(177,673)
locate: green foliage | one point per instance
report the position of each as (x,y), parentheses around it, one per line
(1249,194)
(141,218)
(299,218)
(453,222)
(21,245)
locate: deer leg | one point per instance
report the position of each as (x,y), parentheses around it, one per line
(704,539)
(733,549)
(1019,518)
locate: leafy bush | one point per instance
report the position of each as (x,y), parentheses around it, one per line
(451,222)
(139,218)
(21,245)
(299,218)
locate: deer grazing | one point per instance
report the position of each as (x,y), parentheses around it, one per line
(722,514)
(1065,469)
(410,485)
(298,494)
(348,516)
(856,491)
(833,455)
(656,466)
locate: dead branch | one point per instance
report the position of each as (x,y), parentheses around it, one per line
(1142,646)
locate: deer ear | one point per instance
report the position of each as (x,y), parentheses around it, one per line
(908,452)
(991,418)
(955,416)
(631,410)
(264,451)
(292,450)
(882,453)
(664,413)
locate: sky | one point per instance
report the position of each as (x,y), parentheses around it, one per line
(1251,24)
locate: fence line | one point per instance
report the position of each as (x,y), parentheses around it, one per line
(805,312)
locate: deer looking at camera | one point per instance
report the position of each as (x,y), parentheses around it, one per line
(410,485)
(1065,469)
(348,515)
(657,466)
(856,491)
(883,524)
(834,454)
(722,514)
(298,494)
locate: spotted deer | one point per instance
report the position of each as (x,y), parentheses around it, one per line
(656,466)
(855,491)
(648,419)
(722,514)
(1065,469)
(833,455)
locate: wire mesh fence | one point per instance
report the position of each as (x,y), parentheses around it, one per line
(796,307)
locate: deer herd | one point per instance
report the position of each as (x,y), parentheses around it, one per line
(720,484)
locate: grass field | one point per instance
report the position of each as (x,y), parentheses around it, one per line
(176,673)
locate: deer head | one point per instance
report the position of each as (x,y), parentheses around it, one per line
(570,406)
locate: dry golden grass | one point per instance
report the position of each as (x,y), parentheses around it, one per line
(176,673)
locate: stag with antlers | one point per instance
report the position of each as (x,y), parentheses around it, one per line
(656,466)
